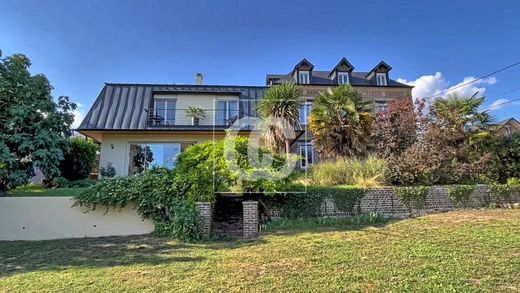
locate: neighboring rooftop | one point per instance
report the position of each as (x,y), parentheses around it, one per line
(330,77)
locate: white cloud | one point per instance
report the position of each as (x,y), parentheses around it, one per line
(79,114)
(431,85)
(501,103)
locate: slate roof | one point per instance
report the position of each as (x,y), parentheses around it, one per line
(322,78)
(122,106)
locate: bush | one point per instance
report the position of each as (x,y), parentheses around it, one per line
(155,196)
(87,182)
(201,170)
(107,172)
(460,193)
(504,193)
(79,159)
(59,182)
(348,171)
(412,197)
(308,204)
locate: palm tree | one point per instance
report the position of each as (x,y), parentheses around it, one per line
(279,110)
(463,112)
(340,123)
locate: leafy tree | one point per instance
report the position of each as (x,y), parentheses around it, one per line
(78,159)
(340,123)
(34,129)
(280,111)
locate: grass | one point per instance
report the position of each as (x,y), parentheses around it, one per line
(456,251)
(37,190)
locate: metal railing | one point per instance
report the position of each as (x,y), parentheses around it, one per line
(186,117)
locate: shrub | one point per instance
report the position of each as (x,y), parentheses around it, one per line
(107,172)
(412,197)
(201,170)
(513,181)
(308,204)
(348,171)
(79,159)
(60,182)
(87,182)
(460,193)
(155,196)
(504,193)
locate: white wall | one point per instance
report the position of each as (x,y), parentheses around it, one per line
(42,218)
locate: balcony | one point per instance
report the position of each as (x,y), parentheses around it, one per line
(190,119)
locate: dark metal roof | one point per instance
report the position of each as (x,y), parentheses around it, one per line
(121,106)
(322,78)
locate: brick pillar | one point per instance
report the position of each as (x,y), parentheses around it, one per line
(204,209)
(250,209)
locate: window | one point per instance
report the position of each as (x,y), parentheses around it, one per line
(343,78)
(507,129)
(381,78)
(165,111)
(305,111)
(381,106)
(148,155)
(227,112)
(303,77)
(306,151)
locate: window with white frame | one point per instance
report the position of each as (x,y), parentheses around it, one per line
(381,106)
(227,112)
(507,129)
(343,78)
(306,151)
(303,77)
(381,78)
(164,110)
(305,111)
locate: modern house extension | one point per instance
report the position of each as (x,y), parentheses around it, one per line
(145,125)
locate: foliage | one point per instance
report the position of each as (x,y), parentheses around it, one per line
(371,218)
(504,193)
(279,110)
(107,172)
(78,159)
(396,130)
(60,182)
(412,197)
(309,203)
(38,190)
(461,193)
(340,123)
(202,170)
(447,150)
(33,128)
(87,182)
(195,112)
(513,181)
(350,171)
(155,196)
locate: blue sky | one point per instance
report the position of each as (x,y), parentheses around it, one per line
(434,45)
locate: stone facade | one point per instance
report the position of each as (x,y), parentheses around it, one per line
(372,93)
(250,221)
(205,212)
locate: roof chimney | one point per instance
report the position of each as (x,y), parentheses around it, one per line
(198,78)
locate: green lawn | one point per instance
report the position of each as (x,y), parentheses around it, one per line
(35,190)
(456,251)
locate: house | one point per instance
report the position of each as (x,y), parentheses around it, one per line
(507,127)
(144,125)
(375,85)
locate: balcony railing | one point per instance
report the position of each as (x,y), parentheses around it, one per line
(183,117)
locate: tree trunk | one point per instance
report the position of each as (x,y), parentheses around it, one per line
(287,146)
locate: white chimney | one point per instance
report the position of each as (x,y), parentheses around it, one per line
(198,78)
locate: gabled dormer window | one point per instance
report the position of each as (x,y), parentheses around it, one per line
(303,77)
(343,78)
(381,78)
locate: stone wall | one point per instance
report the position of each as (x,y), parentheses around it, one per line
(384,202)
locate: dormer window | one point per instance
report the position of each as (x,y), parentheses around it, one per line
(343,78)
(303,77)
(507,129)
(381,78)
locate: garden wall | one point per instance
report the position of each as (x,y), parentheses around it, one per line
(385,202)
(41,218)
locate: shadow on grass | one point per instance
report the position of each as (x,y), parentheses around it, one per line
(54,255)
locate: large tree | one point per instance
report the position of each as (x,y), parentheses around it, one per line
(33,127)
(340,123)
(279,110)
